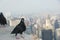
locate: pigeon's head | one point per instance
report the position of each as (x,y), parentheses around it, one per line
(22,19)
(1,13)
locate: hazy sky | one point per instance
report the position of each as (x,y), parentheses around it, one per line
(30,7)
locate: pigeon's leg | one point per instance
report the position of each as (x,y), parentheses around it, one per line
(22,36)
(16,34)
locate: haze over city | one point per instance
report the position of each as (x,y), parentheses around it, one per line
(30,7)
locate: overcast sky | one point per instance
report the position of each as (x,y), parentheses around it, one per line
(30,7)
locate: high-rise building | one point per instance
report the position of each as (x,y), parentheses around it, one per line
(47,35)
(48,24)
(56,24)
(48,30)
(58,34)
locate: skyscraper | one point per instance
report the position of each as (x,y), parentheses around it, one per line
(47,35)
